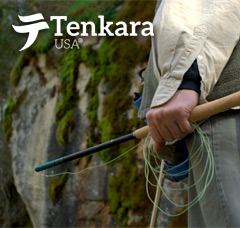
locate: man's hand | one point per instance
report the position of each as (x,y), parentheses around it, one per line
(169,121)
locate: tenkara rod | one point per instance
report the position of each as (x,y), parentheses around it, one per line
(85,152)
(200,112)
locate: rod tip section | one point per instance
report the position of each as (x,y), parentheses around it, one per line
(44,166)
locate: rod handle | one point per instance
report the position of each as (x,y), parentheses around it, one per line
(141,132)
(223,104)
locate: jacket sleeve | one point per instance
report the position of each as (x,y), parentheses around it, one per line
(185,31)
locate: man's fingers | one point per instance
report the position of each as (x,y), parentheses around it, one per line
(169,121)
(185,126)
(175,130)
(163,130)
(154,131)
(162,124)
(155,134)
(158,147)
(166,134)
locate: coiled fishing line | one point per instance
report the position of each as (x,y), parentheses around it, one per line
(149,155)
(194,160)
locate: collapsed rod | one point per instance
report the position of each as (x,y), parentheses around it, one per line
(85,152)
(200,112)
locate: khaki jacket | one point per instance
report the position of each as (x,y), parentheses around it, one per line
(184,31)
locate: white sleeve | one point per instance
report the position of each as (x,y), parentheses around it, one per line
(187,30)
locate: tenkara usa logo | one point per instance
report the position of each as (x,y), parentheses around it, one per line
(75,29)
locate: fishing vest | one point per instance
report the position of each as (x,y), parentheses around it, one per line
(228,83)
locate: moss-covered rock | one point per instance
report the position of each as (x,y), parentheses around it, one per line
(113,63)
(127,194)
(22,61)
(64,114)
(11,107)
(65,127)
(92,109)
(56,186)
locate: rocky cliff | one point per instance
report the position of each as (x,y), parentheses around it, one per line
(34,142)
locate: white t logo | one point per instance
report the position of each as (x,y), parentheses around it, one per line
(32,29)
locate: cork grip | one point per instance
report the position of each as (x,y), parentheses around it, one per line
(223,104)
(203,111)
(141,132)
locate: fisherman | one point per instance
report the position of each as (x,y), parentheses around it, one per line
(194,59)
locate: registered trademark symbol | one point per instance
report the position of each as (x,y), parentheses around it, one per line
(80,40)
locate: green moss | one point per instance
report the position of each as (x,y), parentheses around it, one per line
(79,5)
(92,109)
(114,121)
(7,126)
(115,108)
(119,192)
(142,11)
(65,127)
(106,129)
(118,55)
(89,11)
(64,113)
(56,186)
(106,64)
(127,192)
(93,138)
(11,107)
(60,111)
(122,216)
(88,56)
(112,63)
(68,70)
(77,11)
(22,61)
(106,133)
